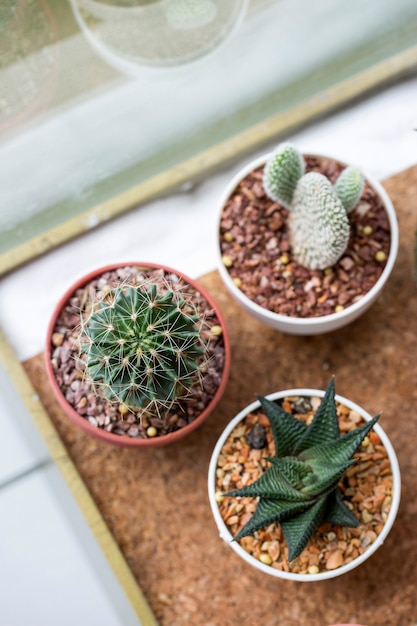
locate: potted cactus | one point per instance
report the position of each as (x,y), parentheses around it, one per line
(304,484)
(137,354)
(306,243)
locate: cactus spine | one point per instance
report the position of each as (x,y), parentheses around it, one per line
(143,346)
(318,224)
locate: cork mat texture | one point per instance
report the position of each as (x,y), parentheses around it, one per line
(155,502)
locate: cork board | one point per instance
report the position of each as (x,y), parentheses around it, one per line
(155,502)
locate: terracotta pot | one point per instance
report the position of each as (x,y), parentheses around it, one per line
(125,440)
(224,531)
(310,325)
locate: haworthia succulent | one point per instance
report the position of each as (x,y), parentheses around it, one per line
(300,488)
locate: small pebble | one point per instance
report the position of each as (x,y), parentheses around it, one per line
(227,260)
(265,558)
(82,403)
(335,560)
(123,409)
(216,330)
(228,237)
(366,516)
(313,569)
(57,339)
(339,308)
(237,282)
(367,230)
(380,256)
(151,431)
(257,437)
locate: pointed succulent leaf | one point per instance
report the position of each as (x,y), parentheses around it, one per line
(275,483)
(267,512)
(325,424)
(282,171)
(318,224)
(341,450)
(324,476)
(294,471)
(286,429)
(301,489)
(349,187)
(338,513)
(299,529)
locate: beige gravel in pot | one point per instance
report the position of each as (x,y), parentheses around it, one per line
(366,488)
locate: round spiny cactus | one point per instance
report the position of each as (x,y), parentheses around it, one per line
(282,172)
(349,187)
(319,227)
(300,488)
(142,346)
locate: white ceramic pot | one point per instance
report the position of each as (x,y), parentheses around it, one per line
(310,325)
(226,535)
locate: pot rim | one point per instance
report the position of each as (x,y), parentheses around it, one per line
(226,535)
(99,433)
(310,322)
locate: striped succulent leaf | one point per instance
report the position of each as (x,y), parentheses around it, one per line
(299,490)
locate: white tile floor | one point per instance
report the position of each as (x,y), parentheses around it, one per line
(51,568)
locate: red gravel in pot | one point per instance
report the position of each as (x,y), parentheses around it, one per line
(89,402)
(256,250)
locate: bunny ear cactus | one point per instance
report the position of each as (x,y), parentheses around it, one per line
(349,187)
(318,223)
(142,346)
(282,173)
(300,488)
